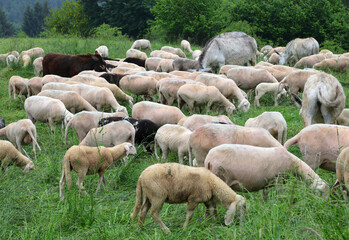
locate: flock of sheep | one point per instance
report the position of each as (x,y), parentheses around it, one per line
(220,149)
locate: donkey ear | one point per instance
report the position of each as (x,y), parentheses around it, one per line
(277,52)
(95,57)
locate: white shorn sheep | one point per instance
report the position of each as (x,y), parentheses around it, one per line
(141,44)
(37,63)
(185,45)
(86,160)
(18,85)
(102,50)
(134,53)
(172,138)
(11,59)
(176,183)
(272,88)
(9,155)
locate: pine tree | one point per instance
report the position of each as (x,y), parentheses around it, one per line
(28,23)
(6,27)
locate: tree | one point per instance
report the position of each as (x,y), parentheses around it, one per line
(6,28)
(33,18)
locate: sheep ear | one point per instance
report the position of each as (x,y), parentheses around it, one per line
(26,169)
(127,149)
(237,207)
(229,215)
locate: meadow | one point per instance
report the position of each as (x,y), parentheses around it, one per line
(30,207)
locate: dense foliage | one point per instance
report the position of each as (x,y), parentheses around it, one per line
(6,27)
(33,18)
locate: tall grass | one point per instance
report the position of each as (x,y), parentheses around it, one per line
(30,207)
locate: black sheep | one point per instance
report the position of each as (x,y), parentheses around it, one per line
(113,78)
(137,61)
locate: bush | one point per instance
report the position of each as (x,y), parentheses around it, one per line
(105,31)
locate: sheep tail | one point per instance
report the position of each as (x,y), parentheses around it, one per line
(66,133)
(67,172)
(291,141)
(156,149)
(139,198)
(296,99)
(328,103)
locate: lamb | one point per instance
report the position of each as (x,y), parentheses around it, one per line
(185,45)
(323,99)
(273,88)
(173,50)
(11,59)
(134,53)
(37,63)
(196,54)
(185,64)
(110,135)
(139,85)
(274,122)
(46,109)
(165,65)
(21,132)
(163,54)
(141,44)
(198,95)
(229,162)
(72,100)
(86,160)
(17,85)
(10,155)
(320,144)
(211,135)
(34,86)
(248,78)
(102,50)
(145,129)
(227,87)
(152,63)
(309,61)
(83,121)
(343,118)
(158,113)
(172,138)
(197,120)
(342,172)
(176,183)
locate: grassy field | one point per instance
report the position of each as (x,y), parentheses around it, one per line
(30,207)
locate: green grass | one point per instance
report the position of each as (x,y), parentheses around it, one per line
(30,206)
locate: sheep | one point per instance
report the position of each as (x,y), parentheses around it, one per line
(185,45)
(173,50)
(37,63)
(163,54)
(338,65)
(176,183)
(309,61)
(102,50)
(198,95)
(152,63)
(225,68)
(26,60)
(211,135)
(110,135)
(196,54)
(158,113)
(2,122)
(32,53)
(139,85)
(185,64)
(11,59)
(88,78)
(21,132)
(343,118)
(274,59)
(278,49)
(266,49)
(46,109)
(10,155)
(279,75)
(113,78)
(141,44)
(172,138)
(126,70)
(342,170)
(137,61)
(197,120)
(243,167)
(274,122)
(53,78)
(17,85)
(86,160)
(272,88)
(72,100)
(134,53)
(145,129)
(34,86)
(227,87)
(165,65)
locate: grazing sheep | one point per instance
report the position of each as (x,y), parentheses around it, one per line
(11,59)
(9,155)
(309,61)
(343,118)
(32,53)
(110,135)
(21,132)
(197,95)
(158,113)
(278,49)
(2,122)
(113,78)
(279,75)
(134,53)
(211,135)
(338,65)
(266,49)
(145,129)
(83,121)
(243,167)
(53,78)
(225,68)
(195,121)
(342,169)
(72,100)
(46,109)
(273,88)
(172,138)
(37,63)
(274,59)
(26,60)
(176,183)
(139,85)
(196,54)
(165,65)
(151,64)
(274,122)
(86,160)
(185,64)
(163,54)
(323,99)
(141,44)
(320,144)
(227,87)
(137,61)
(4,56)
(185,45)
(17,85)
(34,86)
(102,50)
(88,78)
(173,50)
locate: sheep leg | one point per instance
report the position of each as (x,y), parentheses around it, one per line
(180,157)
(5,163)
(80,181)
(154,212)
(165,152)
(61,186)
(100,180)
(190,211)
(144,210)
(51,124)
(276,97)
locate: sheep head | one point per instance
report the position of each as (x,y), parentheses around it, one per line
(237,207)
